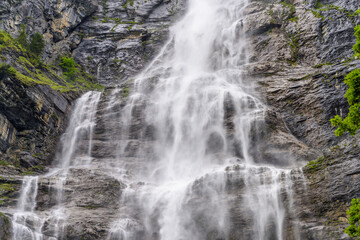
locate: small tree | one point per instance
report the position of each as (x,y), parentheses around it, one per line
(22,38)
(354,219)
(69,67)
(5,70)
(356,47)
(37,44)
(352,122)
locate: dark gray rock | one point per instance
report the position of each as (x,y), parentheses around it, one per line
(112,40)
(5,229)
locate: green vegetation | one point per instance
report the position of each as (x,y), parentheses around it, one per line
(6,187)
(3,163)
(125,92)
(288,15)
(352,122)
(22,39)
(354,213)
(172,10)
(37,168)
(90,207)
(69,67)
(317,14)
(321,64)
(328,7)
(4,70)
(29,69)
(292,7)
(26,173)
(356,47)
(294,48)
(105,7)
(37,44)
(294,19)
(316,165)
(131,2)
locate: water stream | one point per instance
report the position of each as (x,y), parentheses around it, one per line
(190,121)
(202,112)
(28,224)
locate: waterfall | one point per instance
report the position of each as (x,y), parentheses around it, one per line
(27,224)
(25,212)
(204,114)
(181,144)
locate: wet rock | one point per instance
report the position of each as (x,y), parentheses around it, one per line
(5,230)
(32,120)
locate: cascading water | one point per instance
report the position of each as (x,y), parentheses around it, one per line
(27,223)
(202,112)
(182,145)
(25,212)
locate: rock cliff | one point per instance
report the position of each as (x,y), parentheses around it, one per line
(300,53)
(110,40)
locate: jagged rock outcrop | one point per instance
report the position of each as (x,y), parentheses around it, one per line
(111,39)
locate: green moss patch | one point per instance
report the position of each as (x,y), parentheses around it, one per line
(30,70)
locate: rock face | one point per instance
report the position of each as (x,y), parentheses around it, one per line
(5,227)
(111,39)
(333,182)
(301,51)
(32,119)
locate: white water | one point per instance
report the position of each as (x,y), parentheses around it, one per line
(25,212)
(203,112)
(81,128)
(27,224)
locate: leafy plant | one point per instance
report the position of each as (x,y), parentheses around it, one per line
(354,213)
(22,38)
(5,70)
(352,122)
(316,165)
(125,92)
(69,67)
(356,47)
(37,44)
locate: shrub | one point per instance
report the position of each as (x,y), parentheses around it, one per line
(22,38)
(358,11)
(356,47)
(354,213)
(37,44)
(69,67)
(352,122)
(5,70)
